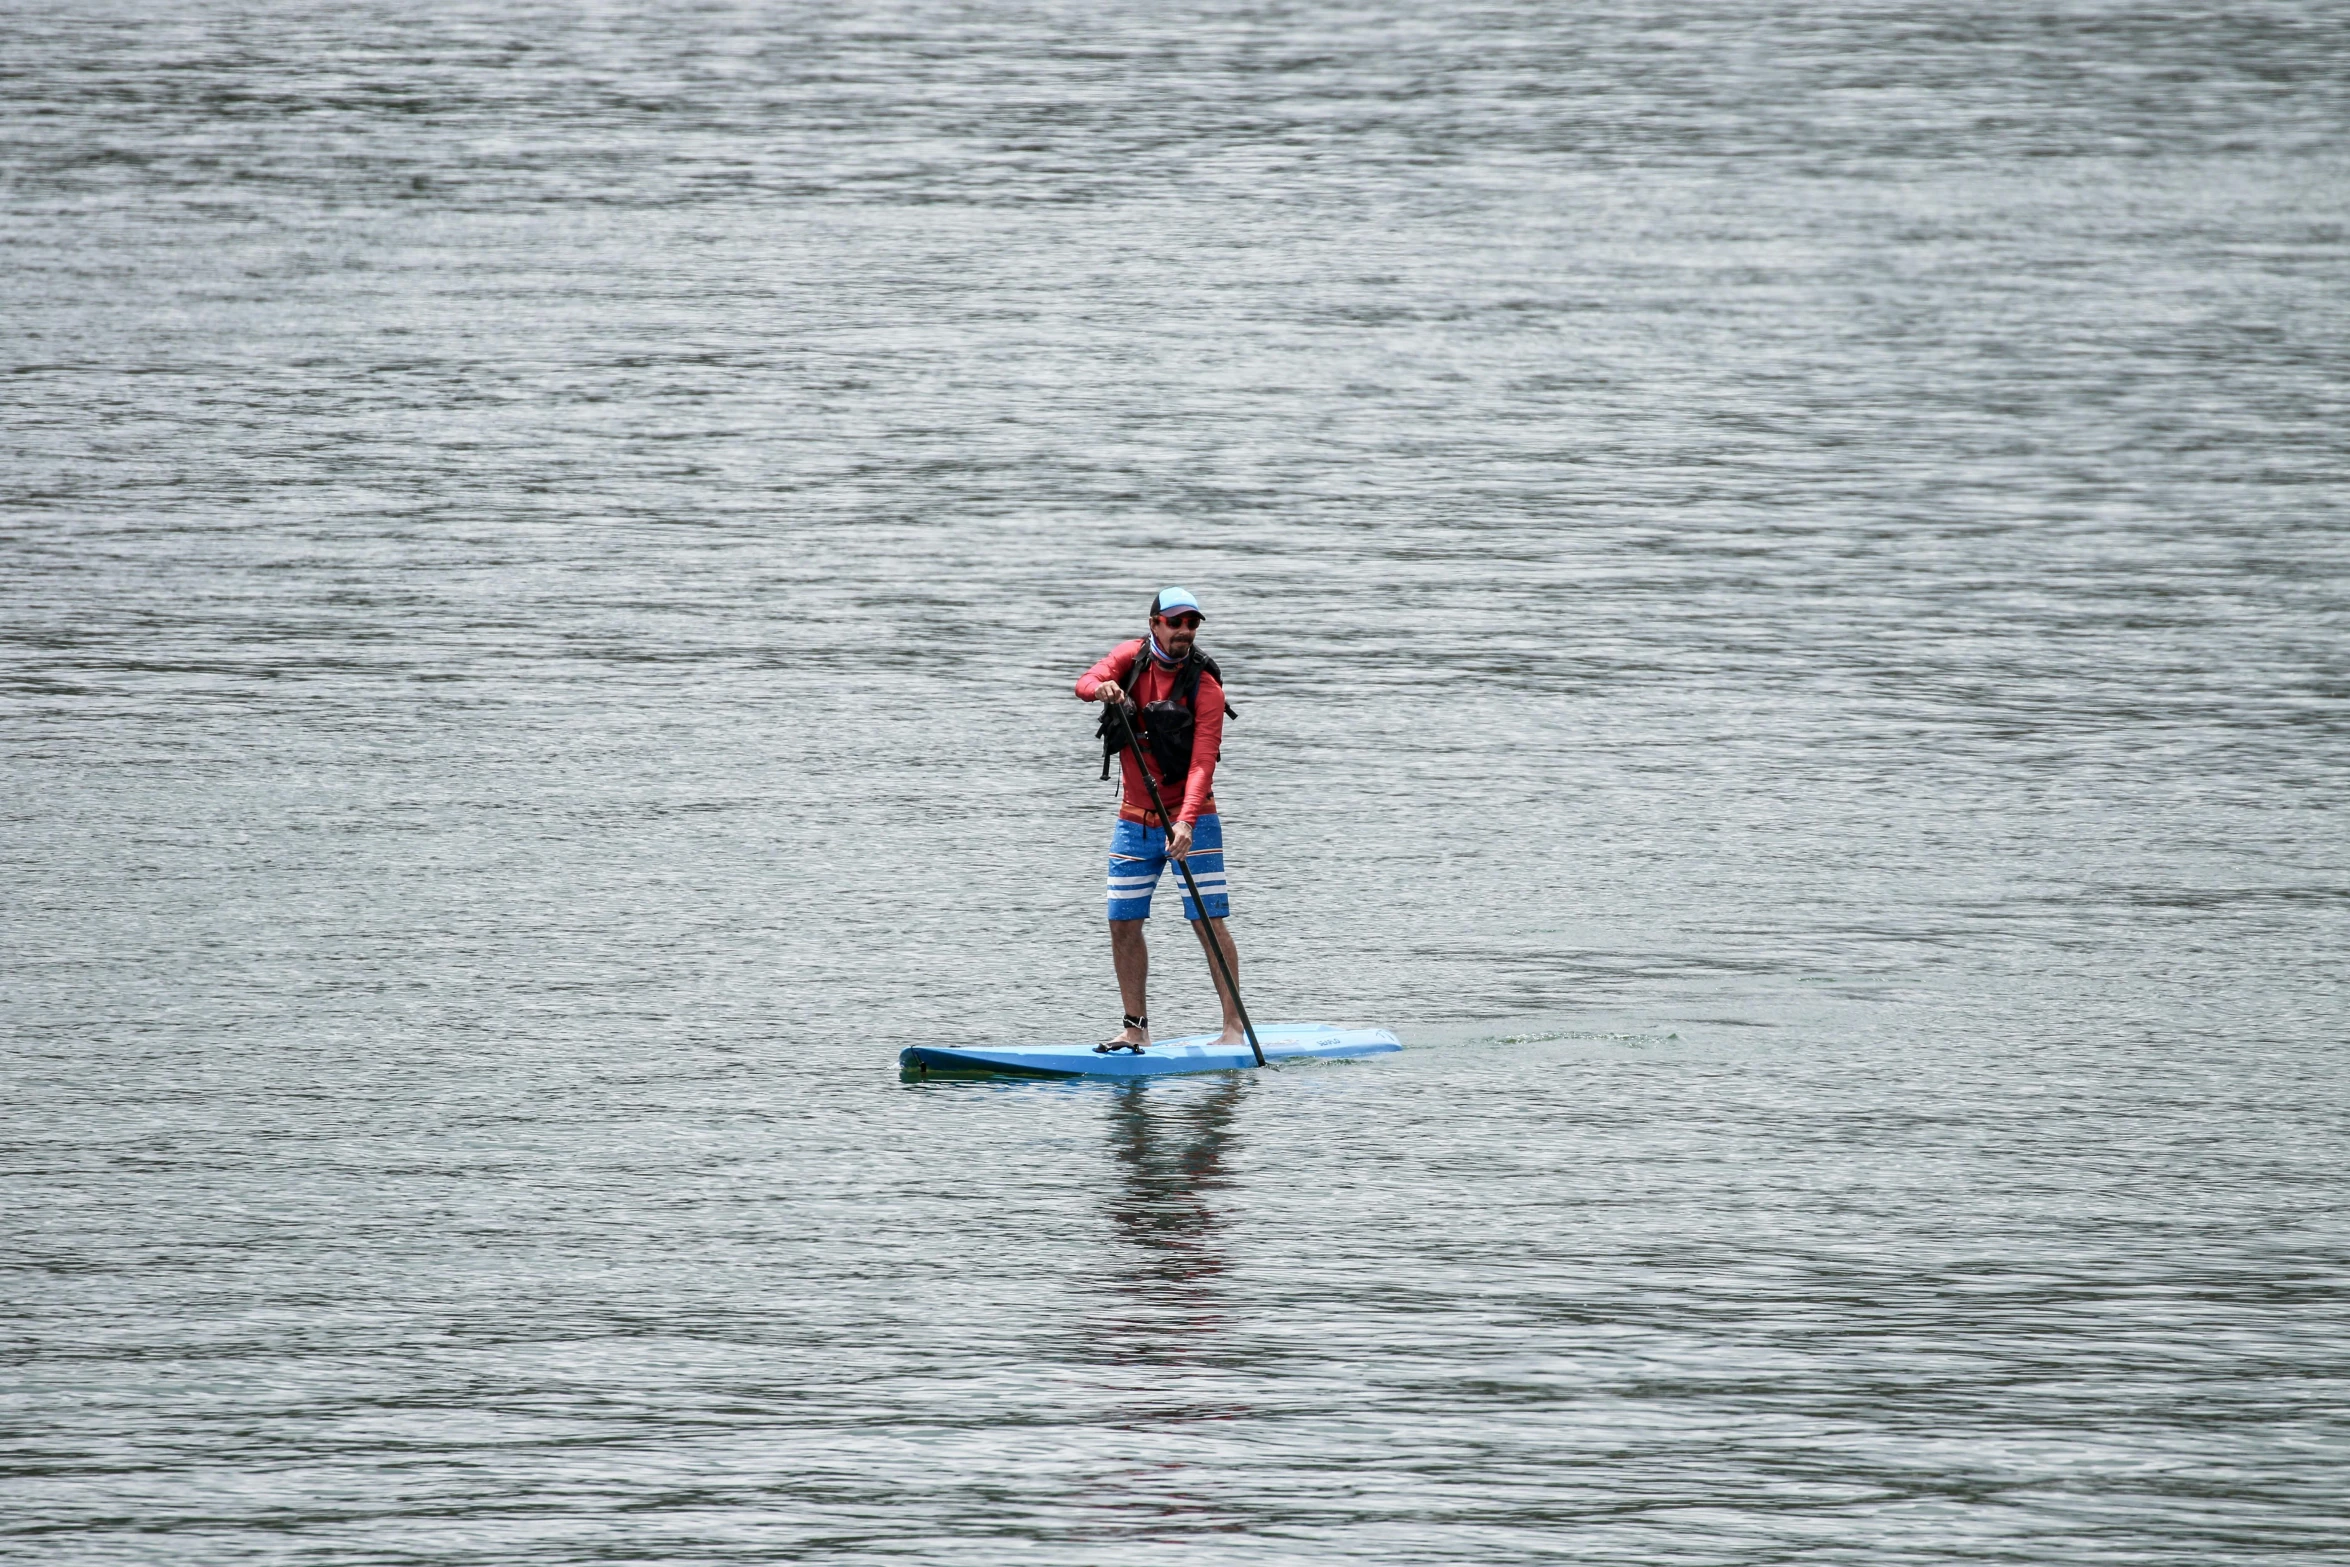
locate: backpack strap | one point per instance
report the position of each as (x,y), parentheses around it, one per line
(1199,661)
(1108,729)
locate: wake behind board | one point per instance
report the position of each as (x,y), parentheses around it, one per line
(1193,1053)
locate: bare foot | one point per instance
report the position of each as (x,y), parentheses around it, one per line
(1232,1036)
(1132,1036)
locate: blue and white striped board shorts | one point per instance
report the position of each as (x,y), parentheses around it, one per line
(1138,854)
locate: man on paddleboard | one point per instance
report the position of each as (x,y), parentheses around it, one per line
(1176,702)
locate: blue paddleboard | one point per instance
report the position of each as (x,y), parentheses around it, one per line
(1194,1053)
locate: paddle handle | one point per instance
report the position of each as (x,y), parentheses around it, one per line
(1142,760)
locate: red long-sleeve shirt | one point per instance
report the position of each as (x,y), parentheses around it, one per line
(1155,682)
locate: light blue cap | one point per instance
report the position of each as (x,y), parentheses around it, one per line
(1172,600)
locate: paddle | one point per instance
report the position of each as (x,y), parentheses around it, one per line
(1142,759)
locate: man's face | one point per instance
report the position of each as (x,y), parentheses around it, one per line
(1175,631)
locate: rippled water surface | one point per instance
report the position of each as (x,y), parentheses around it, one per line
(1786,576)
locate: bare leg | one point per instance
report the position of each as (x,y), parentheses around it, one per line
(1233,1033)
(1132,959)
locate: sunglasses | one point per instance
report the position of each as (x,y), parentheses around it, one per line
(1184,621)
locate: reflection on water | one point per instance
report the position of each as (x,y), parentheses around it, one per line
(1168,1146)
(1165,1354)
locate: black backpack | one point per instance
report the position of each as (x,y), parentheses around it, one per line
(1165,726)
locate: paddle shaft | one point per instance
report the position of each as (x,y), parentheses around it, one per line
(1142,760)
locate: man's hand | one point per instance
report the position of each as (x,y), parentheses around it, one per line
(1107,691)
(1179,841)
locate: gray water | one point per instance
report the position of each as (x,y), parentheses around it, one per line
(1786,574)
